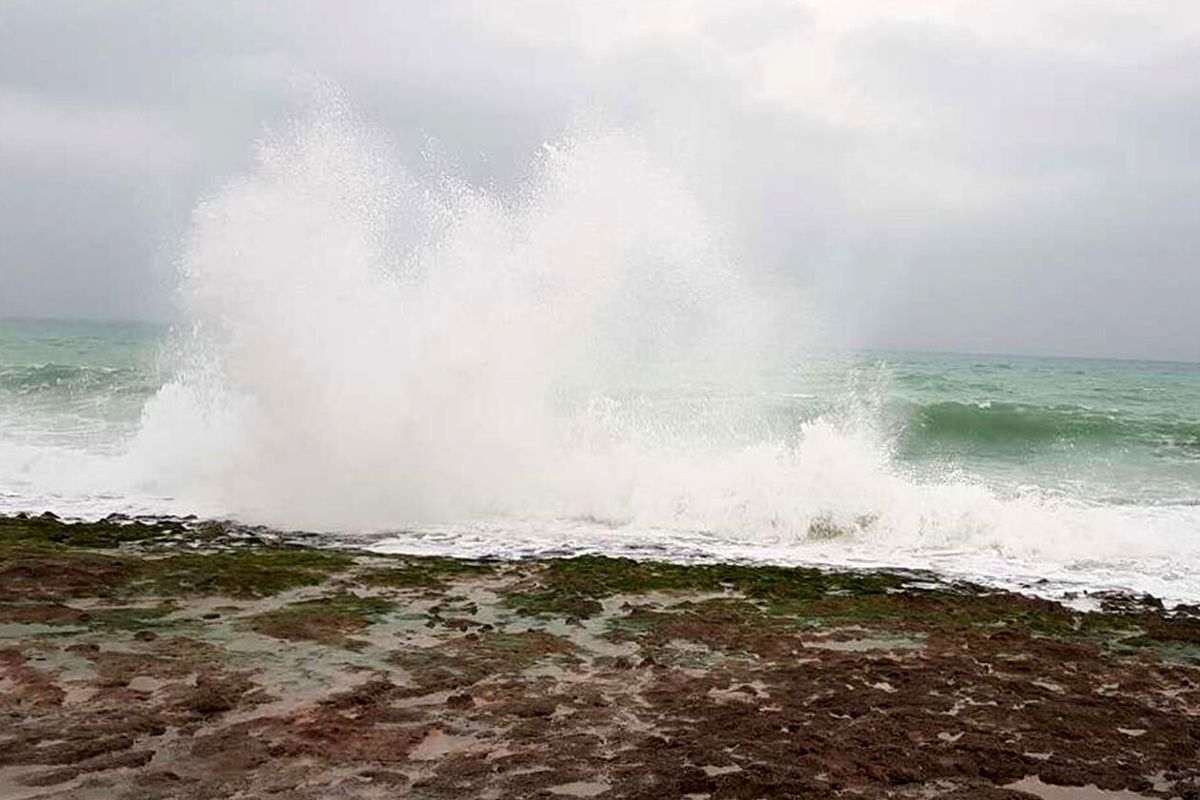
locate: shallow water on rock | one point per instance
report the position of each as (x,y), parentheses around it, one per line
(1035,786)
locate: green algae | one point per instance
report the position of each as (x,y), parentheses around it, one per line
(424,572)
(764,598)
(42,614)
(249,572)
(574,587)
(475,657)
(131,618)
(43,559)
(807,598)
(86,620)
(34,575)
(328,620)
(1172,651)
(48,531)
(716,612)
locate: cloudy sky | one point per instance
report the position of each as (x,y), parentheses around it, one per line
(970,176)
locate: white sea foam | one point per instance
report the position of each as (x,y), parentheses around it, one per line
(371,350)
(340,383)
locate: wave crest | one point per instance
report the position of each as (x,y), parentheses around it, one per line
(1022,425)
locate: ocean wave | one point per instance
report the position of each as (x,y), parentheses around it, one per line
(322,387)
(1019,425)
(70,379)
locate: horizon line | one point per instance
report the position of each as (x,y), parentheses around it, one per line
(926,351)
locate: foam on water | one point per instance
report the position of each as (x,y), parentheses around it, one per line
(344,384)
(370,349)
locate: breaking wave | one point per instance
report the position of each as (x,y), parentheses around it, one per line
(1025,425)
(577,365)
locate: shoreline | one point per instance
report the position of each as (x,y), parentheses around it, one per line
(181,659)
(1079,594)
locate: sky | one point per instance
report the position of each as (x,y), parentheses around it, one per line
(966,176)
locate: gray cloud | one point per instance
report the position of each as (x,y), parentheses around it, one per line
(929,174)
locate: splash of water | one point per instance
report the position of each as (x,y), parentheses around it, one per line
(339,383)
(369,349)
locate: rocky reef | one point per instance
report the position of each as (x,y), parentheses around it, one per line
(173,659)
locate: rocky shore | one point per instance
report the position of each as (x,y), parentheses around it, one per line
(173,660)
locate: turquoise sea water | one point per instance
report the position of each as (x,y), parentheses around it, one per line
(76,383)
(961,462)
(1114,431)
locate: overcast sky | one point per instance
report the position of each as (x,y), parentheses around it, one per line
(972,176)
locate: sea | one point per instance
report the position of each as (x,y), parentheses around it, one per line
(376,350)
(1059,475)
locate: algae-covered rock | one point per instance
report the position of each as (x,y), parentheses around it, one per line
(328,620)
(192,661)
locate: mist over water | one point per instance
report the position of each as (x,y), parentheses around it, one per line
(349,382)
(374,346)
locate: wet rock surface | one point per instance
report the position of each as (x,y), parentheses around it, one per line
(161,661)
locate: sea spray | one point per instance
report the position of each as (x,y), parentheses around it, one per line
(581,365)
(574,364)
(350,385)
